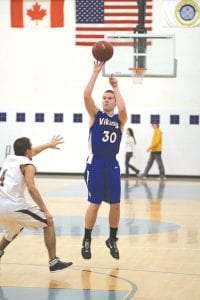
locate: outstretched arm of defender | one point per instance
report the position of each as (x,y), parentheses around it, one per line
(53,144)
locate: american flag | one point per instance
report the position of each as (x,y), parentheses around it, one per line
(97,18)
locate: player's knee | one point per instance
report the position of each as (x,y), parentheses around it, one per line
(94,207)
(115,207)
(10,235)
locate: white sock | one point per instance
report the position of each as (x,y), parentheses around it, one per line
(53,262)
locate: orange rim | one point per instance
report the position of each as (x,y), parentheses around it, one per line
(137,71)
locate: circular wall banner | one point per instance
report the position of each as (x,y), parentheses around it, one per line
(187,12)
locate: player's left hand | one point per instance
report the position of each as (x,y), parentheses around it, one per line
(49,218)
(98,66)
(56,140)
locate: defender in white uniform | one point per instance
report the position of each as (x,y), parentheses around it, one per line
(16,212)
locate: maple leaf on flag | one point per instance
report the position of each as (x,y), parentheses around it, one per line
(36,13)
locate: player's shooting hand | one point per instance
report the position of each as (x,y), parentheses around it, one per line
(113,81)
(56,140)
(98,65)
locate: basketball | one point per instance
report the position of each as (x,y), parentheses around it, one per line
(102,51)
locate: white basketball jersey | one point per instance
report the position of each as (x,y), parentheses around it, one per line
(12,183)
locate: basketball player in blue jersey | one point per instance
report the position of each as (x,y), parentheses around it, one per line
(102,172)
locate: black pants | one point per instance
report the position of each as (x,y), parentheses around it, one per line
(128,165)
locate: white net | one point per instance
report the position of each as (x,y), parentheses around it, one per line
(137,74)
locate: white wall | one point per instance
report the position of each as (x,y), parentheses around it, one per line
(42,71)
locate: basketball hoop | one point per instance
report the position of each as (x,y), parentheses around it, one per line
(137,74)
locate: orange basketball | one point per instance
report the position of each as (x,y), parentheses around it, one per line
(102,51)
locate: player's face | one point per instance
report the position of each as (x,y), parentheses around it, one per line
(108,102)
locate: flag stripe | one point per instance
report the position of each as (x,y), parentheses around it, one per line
(109,29)
(106,16)
(16,9)
(113,43)
(57,13)
(90,36)
(125,14)
(125,7)
(126,0)
(125,21)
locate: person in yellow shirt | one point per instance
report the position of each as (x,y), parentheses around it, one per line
(155,150)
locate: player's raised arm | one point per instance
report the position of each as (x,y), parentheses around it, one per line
(89,102)
(119,101)
(53,144)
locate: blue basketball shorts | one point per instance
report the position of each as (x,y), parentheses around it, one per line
(103,180)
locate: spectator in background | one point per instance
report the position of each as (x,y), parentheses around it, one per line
(155,150)
(129,148)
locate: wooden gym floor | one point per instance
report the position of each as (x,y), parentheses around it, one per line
(159,242)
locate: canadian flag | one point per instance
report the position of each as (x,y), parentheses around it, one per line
(33,13)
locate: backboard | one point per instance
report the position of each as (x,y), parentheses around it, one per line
(154,53)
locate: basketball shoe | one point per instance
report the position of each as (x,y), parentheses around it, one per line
(57,265)
(112,245)
(1,253)
(138,173)
(162,178)
(86,251)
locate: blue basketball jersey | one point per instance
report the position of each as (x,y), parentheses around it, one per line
(105,135)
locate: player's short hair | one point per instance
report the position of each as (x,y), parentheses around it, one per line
(110,91)
(21,145)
